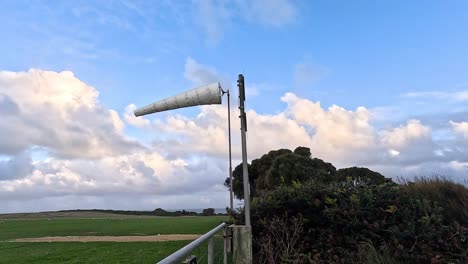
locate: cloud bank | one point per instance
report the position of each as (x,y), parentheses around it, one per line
(58,141)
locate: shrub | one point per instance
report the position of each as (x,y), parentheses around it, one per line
(339,216)
(305,211)
(451,196)
(285,233)
(368,254)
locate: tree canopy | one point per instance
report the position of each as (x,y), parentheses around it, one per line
(284,167)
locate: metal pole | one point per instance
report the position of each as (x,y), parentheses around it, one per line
(240,83)
(230,157)
(210,251)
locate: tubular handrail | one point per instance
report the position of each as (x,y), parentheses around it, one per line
(181,253)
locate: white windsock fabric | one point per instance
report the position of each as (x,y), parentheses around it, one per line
(205,95)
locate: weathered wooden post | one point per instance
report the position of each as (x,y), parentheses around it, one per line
(242,244)
(210,251)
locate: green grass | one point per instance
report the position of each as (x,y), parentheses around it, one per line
(95,252)
(11,229)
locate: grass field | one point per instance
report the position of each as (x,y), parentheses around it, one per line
(97,252)
(11,229)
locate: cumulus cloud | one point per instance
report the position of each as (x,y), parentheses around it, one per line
(207,133)
(337,130)
(401,136)
(86,151)
(138,173)
(57,111)
(343,137)
(411,144)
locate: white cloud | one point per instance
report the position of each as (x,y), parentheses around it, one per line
(87,153)
(141,172)
(140,175)
(131,119)
(337,135)
(400,137)
(460,128)
(207,133)
(343,137)
(337,130)
(59,112)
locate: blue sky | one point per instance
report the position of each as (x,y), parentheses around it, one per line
(403,63)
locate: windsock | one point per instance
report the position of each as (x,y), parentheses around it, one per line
(204,95)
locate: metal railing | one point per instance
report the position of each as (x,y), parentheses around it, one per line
(213,254)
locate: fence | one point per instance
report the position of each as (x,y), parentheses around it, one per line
(210,248)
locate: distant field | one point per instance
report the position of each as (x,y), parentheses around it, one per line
(10,229)
(96,252)
(70,214)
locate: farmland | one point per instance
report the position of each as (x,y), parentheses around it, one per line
(96,252)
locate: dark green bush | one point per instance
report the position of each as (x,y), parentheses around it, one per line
(306,211)
(337,217)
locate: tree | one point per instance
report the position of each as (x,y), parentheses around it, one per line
(281,167)
(258,168)
(294,168)
(360,176)
(208,211)
(303,151)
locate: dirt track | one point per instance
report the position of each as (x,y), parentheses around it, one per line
(109,238)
